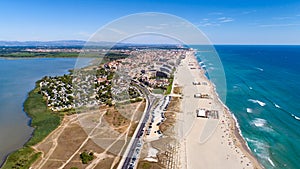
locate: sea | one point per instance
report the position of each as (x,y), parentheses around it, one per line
(263,92)
(261,89)
(17,78)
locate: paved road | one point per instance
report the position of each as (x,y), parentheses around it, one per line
(151,100)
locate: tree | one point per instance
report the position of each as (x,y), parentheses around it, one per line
(86,157)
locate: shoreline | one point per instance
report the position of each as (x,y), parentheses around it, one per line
(36,109)
(237,130)
(235,154)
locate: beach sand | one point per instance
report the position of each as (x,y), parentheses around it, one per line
(209,143)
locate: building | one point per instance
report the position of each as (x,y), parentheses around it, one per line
(197,95)
(196,83)
(201,95)
(201,113)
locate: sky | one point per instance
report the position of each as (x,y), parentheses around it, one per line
(222,21)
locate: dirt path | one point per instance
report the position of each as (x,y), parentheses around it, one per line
(84,142)
(59,130)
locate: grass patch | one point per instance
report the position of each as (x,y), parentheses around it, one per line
(43,120)
(148,165)
(169,87)
(22,158)
(158,91)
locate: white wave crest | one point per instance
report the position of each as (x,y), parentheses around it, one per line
(258,102)
(249,110)
(271,162)
(276,105)
(296,117)
(259,122)
(260,148)
(260,69)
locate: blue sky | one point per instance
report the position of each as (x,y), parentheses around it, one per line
(224,22)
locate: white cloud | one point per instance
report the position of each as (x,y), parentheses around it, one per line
(280,25)
(205,22)
(225,19)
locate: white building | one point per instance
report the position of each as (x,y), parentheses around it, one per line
(201,113)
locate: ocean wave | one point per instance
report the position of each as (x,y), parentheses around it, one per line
(259,147)
(249,110)
(271,162)
(260,69)
(295,117)
(258,102)
(259,122)
(276,105)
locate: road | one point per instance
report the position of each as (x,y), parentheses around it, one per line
(152,100)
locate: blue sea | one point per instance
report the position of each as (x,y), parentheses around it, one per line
(17,78)
(263,92)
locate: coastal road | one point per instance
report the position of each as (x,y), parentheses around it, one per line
(131,150)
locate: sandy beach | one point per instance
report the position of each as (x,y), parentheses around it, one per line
(213,142)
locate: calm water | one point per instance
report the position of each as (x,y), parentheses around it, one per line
(17,78)
(263,92)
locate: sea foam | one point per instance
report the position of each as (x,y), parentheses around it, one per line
(276,105)
(259,122)
(249,110)
(258,102)
(260,69)
(296,117)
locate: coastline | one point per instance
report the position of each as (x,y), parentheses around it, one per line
(234,127)
(222,135)
(43,120)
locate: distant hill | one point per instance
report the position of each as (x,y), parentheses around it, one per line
(81,43)
(43,43)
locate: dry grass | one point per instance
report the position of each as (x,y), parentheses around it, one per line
(177,90)
(170,114)
(116,120)
(148,165)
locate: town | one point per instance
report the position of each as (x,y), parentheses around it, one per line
(105,83)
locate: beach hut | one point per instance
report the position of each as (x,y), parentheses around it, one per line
(201,113)
(197,95)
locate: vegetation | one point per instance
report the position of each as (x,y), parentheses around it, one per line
(86,157)
(21,159)
(169,87)
(43,120)
(61,52)
(148,165)
(158,91)
(138,99)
